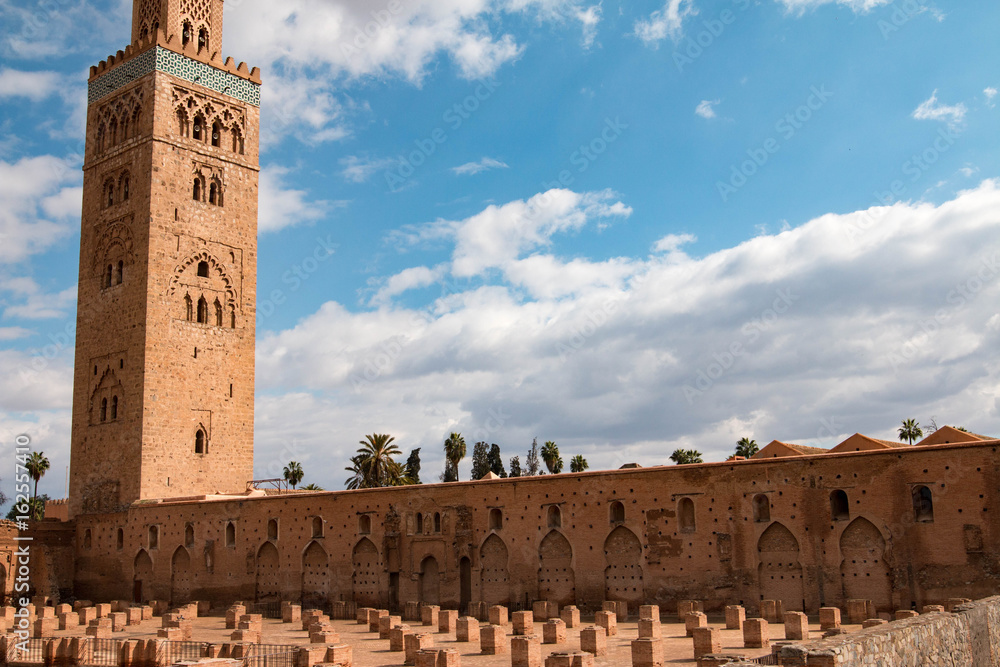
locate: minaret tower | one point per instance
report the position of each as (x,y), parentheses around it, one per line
(164,378)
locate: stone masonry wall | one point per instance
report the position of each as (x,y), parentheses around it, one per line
(969,637)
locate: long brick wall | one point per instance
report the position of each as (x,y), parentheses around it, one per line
(811,531)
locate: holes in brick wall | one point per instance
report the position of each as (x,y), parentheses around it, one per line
(761,509)
(685,515)
(840,509)
(923,504)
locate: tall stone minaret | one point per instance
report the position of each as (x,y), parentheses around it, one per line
(164,378)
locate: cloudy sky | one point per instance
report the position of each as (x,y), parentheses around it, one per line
(625,227)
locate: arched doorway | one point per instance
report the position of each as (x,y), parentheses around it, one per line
(863,570)
(556,581)
(430,582)
(142,577)
(180,577)
(494,578)
(623,574)
(780,571)
(268,573)
(365,580)
(315,576)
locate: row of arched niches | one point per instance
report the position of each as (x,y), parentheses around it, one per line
(484,574)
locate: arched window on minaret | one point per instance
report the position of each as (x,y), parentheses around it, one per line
(113,132)
(120,275)
(202,39)
(123,186)
(108,276)
(182,122)
(202,311)
(213,194)
(199,442)
(199,128)
(124,128)
(218,313)
(232,317)
(101,136)
(198,192)
(143,34)
(217,134)
(114,408)
(104,410)
(237,140)
(186,33)
(109,193)
(188,308)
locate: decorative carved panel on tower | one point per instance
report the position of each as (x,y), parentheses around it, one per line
(148,16)
(197,10)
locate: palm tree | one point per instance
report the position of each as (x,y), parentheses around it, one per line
(578,464)
(37,465)
(746,447)
(550,454)
(910,431)
(293,473)
(357,478)
(454,451)
(375,464)
(312,487)
(684,456)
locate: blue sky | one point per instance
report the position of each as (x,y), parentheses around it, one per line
(625,227)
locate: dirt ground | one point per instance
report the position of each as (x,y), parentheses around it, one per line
(370,651)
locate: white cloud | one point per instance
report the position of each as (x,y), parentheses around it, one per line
(471,168)
(931,109)
(706,108)
(501,234)
(673,242)
(281,206)
(314,51)
(33,303)
(860,6)
(666,22)
(990,94)
(589,18)
(35,86)
(830,318)
(38,197)
(413,278)
(358,169)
